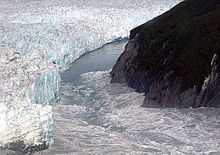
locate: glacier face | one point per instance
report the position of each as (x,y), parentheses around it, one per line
(40,38)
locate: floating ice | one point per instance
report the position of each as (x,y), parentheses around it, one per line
(104,118)
(38,38)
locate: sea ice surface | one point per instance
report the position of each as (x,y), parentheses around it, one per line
(98,117)
(39,38)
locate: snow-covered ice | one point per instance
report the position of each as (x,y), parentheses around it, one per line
(40,38)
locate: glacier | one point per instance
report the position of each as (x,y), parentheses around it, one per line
(39,39)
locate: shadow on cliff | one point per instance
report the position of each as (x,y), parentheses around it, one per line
(174,58)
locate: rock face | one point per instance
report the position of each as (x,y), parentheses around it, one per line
(175,58)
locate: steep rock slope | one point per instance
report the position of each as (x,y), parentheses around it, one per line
(174,58)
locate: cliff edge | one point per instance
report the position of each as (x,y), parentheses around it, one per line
(175,58)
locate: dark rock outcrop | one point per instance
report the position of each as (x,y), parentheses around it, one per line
(174,58)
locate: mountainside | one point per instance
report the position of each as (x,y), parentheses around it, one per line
(174,58)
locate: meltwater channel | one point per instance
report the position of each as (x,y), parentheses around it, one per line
(97,117)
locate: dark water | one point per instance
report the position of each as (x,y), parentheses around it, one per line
(98,60)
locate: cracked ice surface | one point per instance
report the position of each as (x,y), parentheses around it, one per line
(19,117)
(37,38)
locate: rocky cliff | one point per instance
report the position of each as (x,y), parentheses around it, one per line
(175,58)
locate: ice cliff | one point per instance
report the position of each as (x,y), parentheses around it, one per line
(40,38)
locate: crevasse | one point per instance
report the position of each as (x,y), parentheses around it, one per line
(46,89)
(38,39)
